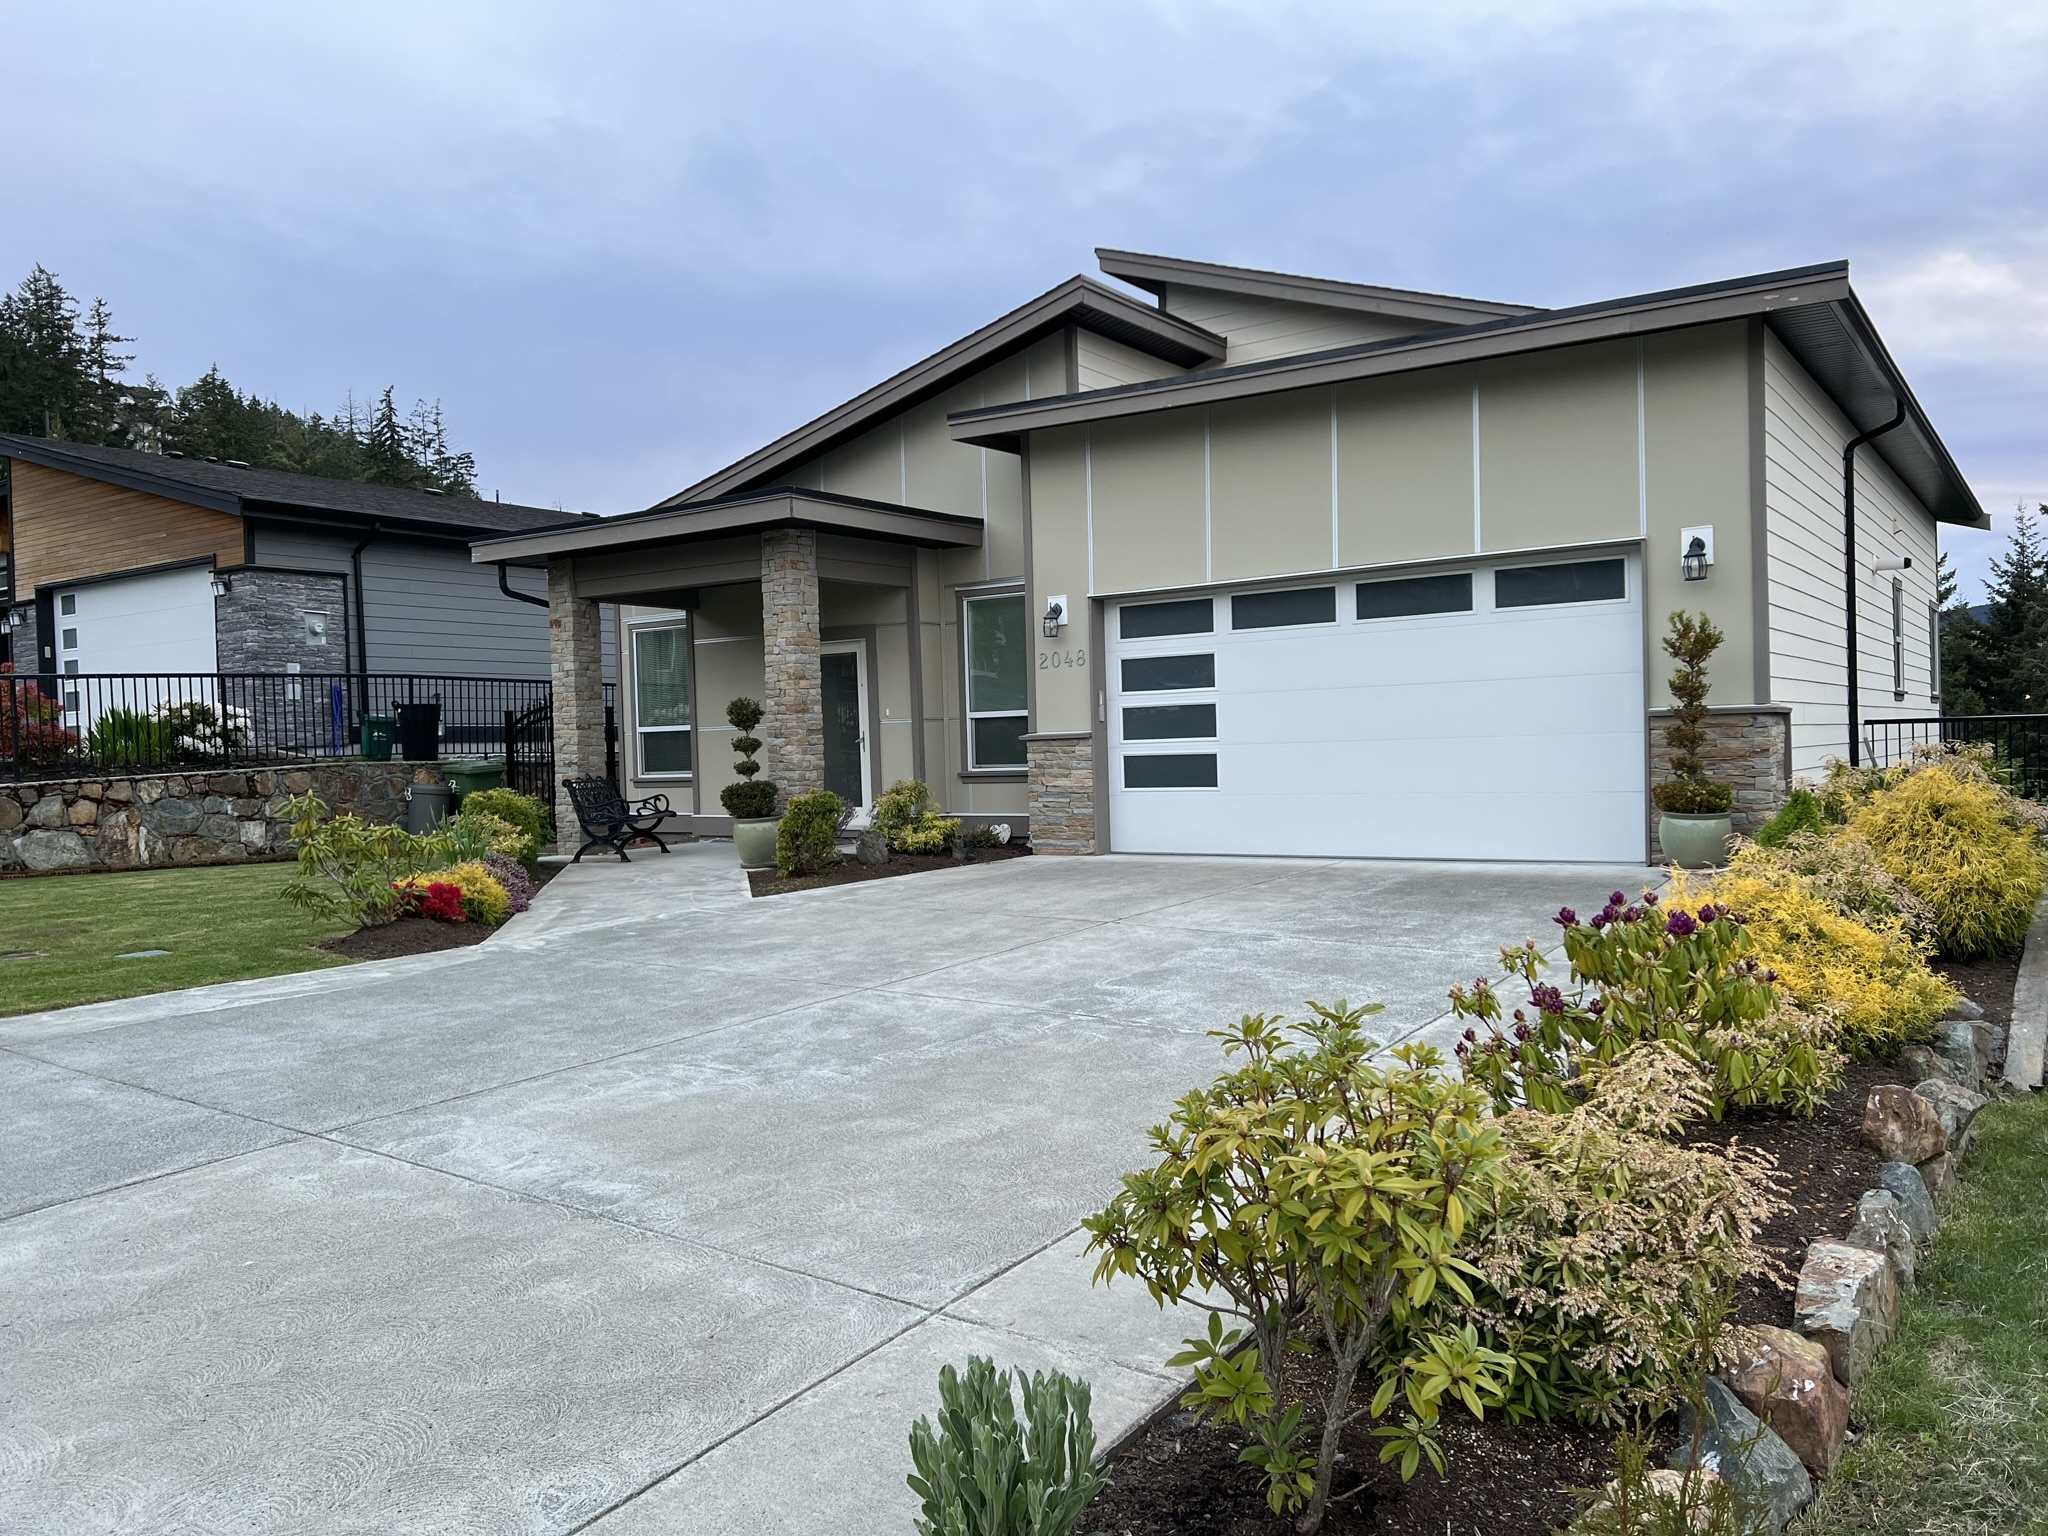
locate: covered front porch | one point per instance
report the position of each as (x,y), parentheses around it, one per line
(832,611)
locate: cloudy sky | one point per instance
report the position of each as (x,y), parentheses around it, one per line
(624,244)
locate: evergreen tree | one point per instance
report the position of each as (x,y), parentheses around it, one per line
(1999,665)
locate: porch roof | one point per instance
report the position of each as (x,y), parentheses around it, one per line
(752,512)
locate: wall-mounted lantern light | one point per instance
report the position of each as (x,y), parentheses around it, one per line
(1696,557)
(223,585)
(1055,616)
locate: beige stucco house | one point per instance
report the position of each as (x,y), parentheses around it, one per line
(1258,563)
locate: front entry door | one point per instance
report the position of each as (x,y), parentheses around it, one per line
(844,698)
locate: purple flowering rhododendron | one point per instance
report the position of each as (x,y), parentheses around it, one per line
(1566,918)
(1680,924)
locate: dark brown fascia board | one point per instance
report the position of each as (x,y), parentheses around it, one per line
(748,514)
(1155,273)
(1001,426)
(1136,324)
(128,479)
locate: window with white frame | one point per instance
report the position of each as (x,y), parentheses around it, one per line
(998,645)
(661,698)
(1934,650)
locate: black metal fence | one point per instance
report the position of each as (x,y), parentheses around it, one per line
(2019,743)
(530,745)
(54,726)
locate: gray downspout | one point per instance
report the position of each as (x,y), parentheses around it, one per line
(355,564)
(505,586)
(1849,575)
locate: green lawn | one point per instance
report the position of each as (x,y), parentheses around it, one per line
(1953,1424)
(219,924)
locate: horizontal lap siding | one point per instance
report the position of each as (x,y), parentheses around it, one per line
(1256,329)
(1804,434)
(1103,364)
(67,527)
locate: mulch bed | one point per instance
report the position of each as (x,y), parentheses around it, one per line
(766,882)
(420,935)
(1183,1479)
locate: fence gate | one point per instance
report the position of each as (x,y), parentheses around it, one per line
(530,747)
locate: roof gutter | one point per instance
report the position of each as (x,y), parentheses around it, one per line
(1849,574)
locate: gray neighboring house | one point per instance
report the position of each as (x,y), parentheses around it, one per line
(127,562)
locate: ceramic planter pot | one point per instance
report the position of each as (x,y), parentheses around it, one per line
(754,837)
(1695,842)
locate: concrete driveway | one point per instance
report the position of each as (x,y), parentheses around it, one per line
(657,1213)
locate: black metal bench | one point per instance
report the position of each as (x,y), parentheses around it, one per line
(609,821)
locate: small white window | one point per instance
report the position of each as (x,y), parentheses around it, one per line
(70,640)
(661,698)
(998,646)
(68,604)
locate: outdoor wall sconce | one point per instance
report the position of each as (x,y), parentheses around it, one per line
(1892,565)
(1055,616)
(222,586)
(1698,556)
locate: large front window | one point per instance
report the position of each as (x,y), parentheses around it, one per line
(998,652)
(661,698)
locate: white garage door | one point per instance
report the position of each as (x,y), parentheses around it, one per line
(1495,713)
(158,622)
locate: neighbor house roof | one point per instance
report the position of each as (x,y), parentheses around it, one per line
(245,491)
(1155,274)
(1078,301)
(1812,310)
(779,506)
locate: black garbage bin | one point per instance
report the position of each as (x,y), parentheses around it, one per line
(419,731)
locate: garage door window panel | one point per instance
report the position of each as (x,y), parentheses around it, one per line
(1170,722)
(998,654)
(1187,616)
(1578,581)
(661,699)
(1166,674)
(1277,610)
(1412,596)
(1170,770)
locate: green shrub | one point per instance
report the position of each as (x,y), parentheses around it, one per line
(751,799)
(524,812)
(806,842)
(1640,971)
(125,737)
(1801,812)
(1312,1187)
(1602,1245)
(904,813)
(349,868)
(476,833)
(981,1474)
(1958,840)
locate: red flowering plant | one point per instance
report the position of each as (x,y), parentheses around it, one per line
(436,899)
(32,728)
(1641,971)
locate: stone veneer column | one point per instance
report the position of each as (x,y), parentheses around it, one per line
(576,665)
(1750,748)
(793,723)
(1060,767)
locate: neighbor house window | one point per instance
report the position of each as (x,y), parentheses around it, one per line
(998,653)
(661,697)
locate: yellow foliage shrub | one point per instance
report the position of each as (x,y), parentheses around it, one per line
(484,897)
(1952,837)
(1873,977)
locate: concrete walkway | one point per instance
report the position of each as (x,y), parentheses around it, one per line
(657,1213)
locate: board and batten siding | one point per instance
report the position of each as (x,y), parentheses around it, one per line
(67,527)
(426,607)
(1804,434)
(1255,329)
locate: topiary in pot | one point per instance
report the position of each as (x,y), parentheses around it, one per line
(751,802)
(1695,826)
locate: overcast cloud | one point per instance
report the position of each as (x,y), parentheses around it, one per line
(625,244)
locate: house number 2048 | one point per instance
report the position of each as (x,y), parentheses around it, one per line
(1047,660)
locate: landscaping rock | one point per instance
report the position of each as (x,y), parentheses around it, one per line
(1990,1049)
(1902,1126)
(1752,1458)
(46,812)
(1955,1106)
(872,846)
(1847,1302)
(1787,1381)
(10,814)
(1666,1487)
(53,850)
(1939,1173)
(1963,1008)
(1956,1043)
(1916,1207)
(1880,1228)
(1919,1063)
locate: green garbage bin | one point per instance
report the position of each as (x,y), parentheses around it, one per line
(379,732)
(467,774)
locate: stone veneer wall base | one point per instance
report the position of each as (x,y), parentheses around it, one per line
(1060,771)
(1749,747)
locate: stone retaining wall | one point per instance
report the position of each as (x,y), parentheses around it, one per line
(184,818)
